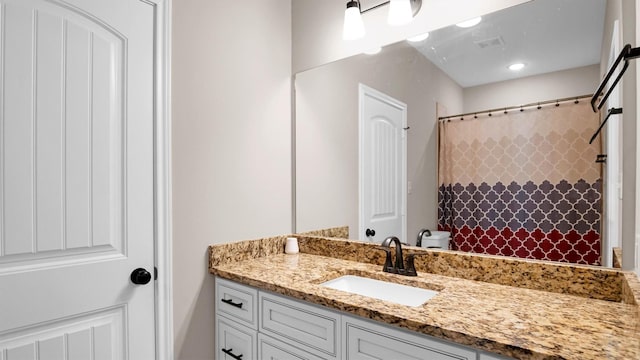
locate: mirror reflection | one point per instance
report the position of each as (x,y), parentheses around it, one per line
(351,103)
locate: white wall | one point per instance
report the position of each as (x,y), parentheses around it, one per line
(327,135)
(317,26)
(231,144)
(531,89)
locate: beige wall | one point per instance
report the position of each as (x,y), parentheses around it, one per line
(327,135)
(531,89)
(317,26)
(231,144)
(231,126)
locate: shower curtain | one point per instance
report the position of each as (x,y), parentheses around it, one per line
(523,184)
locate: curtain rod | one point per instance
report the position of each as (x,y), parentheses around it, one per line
(575,99)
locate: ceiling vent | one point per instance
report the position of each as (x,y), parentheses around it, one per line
(487,43)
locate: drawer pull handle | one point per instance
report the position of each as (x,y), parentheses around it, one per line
(230,353)
(230,302)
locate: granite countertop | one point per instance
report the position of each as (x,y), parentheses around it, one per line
(523,323)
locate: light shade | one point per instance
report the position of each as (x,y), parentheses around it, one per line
(353,26)
(400,12)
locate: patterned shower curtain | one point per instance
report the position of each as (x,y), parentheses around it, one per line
(523,184)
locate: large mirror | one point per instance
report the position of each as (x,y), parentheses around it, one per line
(455,70)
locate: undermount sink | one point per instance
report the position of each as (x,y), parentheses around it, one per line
(381,290)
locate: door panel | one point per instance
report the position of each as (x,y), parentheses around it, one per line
(95,336)
(386,167)
(76,178)
(62,136)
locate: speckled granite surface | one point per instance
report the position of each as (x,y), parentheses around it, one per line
(337,232)
(519,321)
(594,282)
(617,258)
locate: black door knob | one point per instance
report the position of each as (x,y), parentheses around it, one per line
(370,232)
(140,276)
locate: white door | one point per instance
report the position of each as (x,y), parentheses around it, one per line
(76,179)
(383,154)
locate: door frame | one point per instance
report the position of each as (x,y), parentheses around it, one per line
(613,197)
(162,180)
(363,91)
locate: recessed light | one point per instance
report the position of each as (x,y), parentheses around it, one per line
(516,67)
(419,38)
(373,51)
(469,23)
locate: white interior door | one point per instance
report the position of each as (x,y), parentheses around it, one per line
(76,179)
(383,174)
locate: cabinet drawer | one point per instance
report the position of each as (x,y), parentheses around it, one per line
(234,342)
(367,341)
(294,322)
(238,302)
(272,349)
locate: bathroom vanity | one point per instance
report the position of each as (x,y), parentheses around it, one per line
(257,324)
(272,305)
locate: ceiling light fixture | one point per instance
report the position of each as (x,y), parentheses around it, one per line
(470,23)
(419,38)
(353,26)
(401,12)
(516,67)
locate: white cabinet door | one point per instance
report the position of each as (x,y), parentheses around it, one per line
(315,329)
(272,349)
(76,178)
(238,302)
(366,340)
(234,342)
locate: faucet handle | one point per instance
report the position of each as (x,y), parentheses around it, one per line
(388,265)
(411,267)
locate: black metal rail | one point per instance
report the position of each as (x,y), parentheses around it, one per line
(627,53)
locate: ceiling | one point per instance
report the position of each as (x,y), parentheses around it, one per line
(545,35)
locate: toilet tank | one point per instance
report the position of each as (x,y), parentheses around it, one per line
(436,239)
